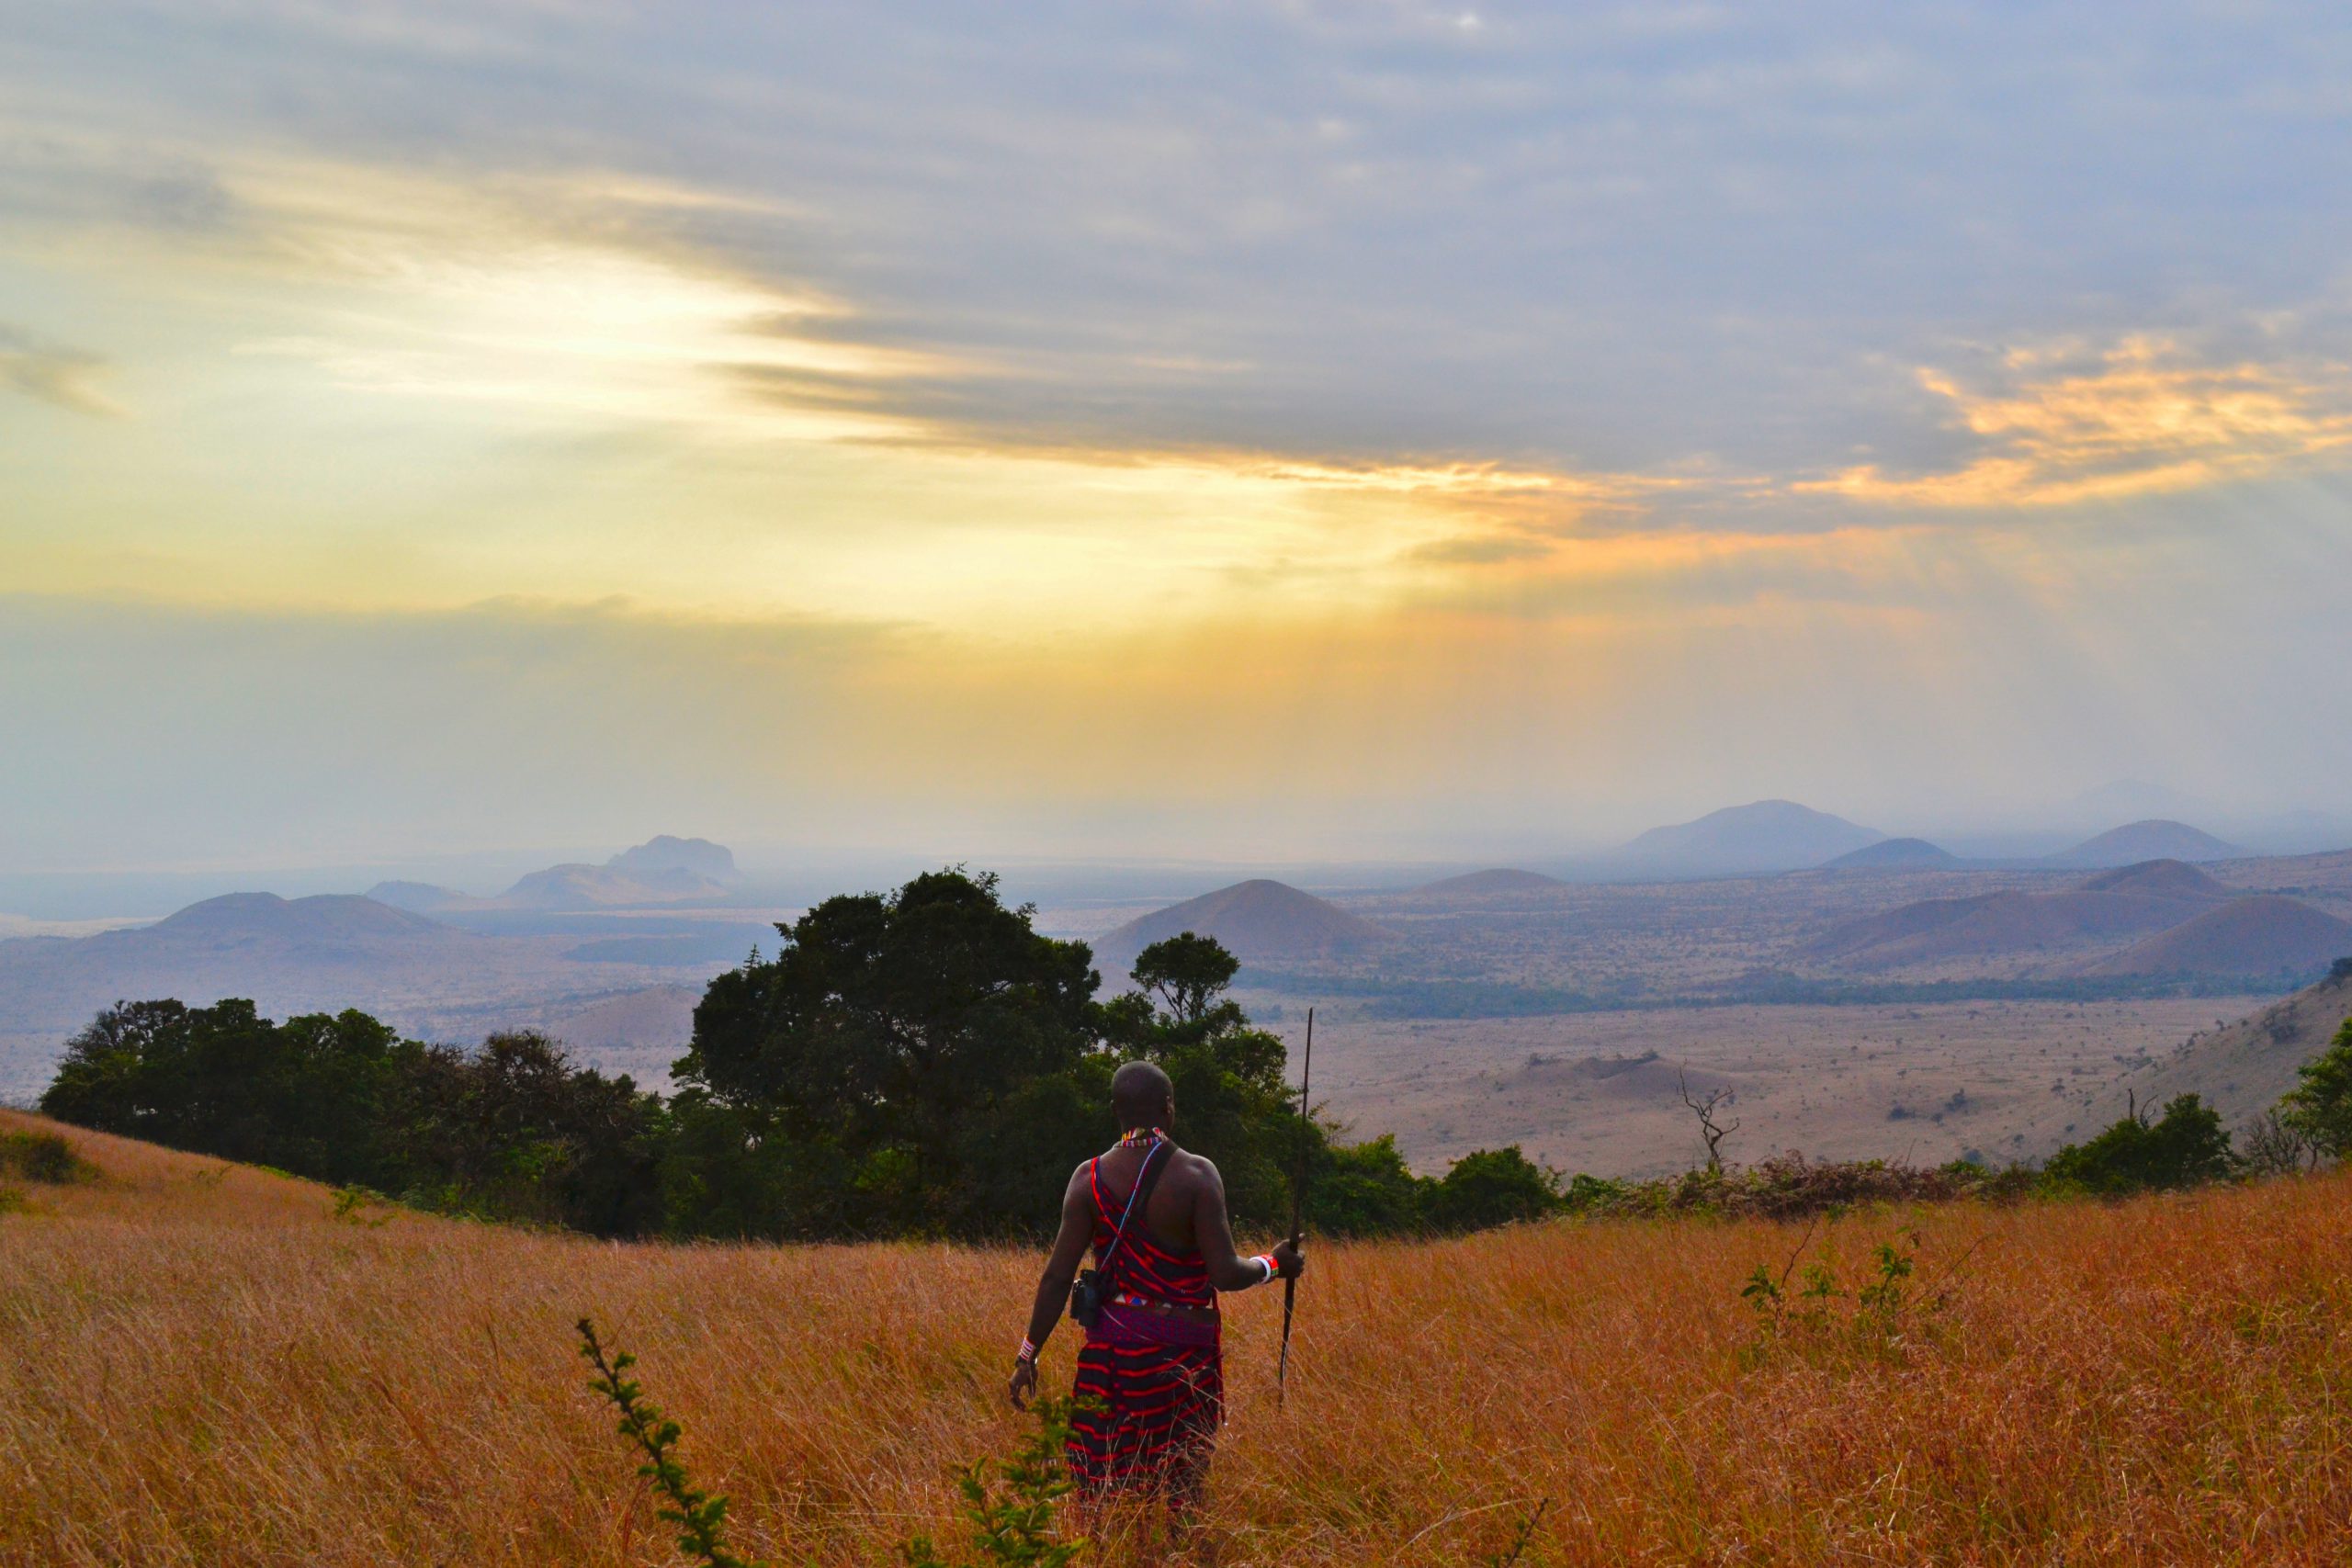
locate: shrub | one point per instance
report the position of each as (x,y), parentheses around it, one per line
(44,1157)
(2181,1148)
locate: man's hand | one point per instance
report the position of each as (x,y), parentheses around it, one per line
(1024,1384)
(1289,1262)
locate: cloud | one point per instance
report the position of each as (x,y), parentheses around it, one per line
(65,378)
(2144,418)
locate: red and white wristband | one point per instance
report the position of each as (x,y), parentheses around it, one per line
(1266,1262)
(1028,1351)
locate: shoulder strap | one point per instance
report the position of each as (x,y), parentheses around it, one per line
(1145,1180)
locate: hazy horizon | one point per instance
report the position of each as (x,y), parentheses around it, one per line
(1256,435)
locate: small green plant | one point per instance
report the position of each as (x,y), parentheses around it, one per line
(1527,1530)
(351,1205)
(1886,1306)
(1014,1521)
(701,1518)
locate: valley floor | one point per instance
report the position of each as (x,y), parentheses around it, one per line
(205,1366)
(1925,1083)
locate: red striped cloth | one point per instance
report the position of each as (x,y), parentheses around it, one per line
(1151,1389)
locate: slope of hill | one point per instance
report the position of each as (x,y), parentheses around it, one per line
(2153,839)
(204,1352)
(1896,854)
(1766,836)
(1485,883)
(421,897)
(1259,921)
(2241,1068)
(2264,935)
(2159,879)
(2114,907)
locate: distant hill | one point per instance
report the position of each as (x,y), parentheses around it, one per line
(2265,935)
(1481,883)
(1896,854)
(328,921)
(2157,838)
(563,887)
(2113,908)
(1259,921)
(1766,836)
(663,870)
(699,857)
(2161,878)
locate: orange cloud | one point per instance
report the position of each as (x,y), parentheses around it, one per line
(2143,422)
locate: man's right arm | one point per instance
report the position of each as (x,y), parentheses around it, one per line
(1052,1285)
(1227,1270)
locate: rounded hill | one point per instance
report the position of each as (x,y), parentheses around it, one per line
(2262,935)
(1896,854)
(1259,921)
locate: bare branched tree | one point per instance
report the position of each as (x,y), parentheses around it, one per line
(1703,1107)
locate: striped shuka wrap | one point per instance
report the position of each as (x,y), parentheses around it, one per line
(1151,1389)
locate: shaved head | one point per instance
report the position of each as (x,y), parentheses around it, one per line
(1141,1096)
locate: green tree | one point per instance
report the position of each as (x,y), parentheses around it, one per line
(877,1070)
(2320,1105)
(2183,1147)
(1234,1102)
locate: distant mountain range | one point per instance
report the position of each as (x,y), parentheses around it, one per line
(520,961)
(2175,920)
(1259,922)
(663,870)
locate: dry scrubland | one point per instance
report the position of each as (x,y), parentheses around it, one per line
(203,1366)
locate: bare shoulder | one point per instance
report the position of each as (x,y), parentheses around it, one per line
(1199,1170)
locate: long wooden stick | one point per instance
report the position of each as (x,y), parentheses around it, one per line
(1298,1210)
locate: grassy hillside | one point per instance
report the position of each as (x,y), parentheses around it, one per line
(206,1366)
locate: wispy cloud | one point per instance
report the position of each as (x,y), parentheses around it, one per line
(68,378)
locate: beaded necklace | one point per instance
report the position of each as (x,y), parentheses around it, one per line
(1142,1138)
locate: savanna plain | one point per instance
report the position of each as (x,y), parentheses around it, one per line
(211,1364)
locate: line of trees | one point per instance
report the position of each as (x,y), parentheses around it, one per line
(917,1062)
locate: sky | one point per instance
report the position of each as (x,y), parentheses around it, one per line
(1218,430)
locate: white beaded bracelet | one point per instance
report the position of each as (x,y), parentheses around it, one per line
(1028,1351)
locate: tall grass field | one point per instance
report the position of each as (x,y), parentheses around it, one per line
(206,1364)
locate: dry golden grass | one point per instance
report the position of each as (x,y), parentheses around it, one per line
(203,1367)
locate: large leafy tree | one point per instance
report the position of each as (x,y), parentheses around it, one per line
(905,1062)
